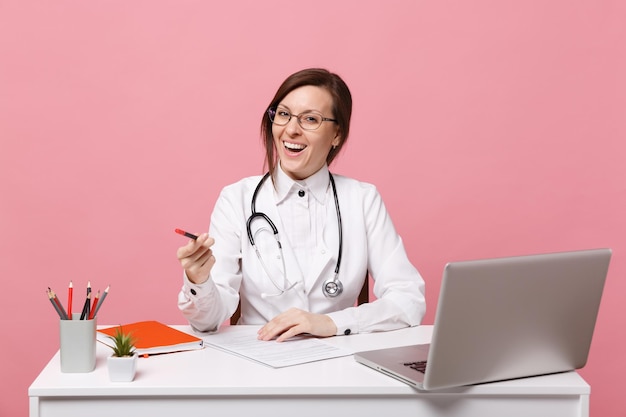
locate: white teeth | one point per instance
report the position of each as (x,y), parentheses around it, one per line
(294,146)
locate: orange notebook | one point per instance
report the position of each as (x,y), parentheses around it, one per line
(153,337)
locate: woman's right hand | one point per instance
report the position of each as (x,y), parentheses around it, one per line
(197,259)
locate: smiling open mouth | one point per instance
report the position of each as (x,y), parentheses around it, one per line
(294,147)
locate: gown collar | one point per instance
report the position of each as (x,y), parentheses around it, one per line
(317,184)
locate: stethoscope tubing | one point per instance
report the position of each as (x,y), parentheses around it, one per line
(331,287)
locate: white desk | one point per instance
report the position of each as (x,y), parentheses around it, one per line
(211,382)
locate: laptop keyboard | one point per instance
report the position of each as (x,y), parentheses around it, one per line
(419,366)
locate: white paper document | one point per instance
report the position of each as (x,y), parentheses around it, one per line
(242,341)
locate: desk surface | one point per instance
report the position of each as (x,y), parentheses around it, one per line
(211,373)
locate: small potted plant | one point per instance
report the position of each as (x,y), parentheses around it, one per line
(123,363)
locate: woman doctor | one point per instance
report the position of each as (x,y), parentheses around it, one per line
(295,245)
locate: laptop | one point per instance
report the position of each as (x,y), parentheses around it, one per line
(504,318)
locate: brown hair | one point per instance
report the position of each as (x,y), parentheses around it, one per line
(342,108)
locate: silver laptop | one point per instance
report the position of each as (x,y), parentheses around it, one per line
(504,318)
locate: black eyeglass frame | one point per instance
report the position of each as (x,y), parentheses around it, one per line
(271,112)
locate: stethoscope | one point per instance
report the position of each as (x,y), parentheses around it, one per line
(332,287)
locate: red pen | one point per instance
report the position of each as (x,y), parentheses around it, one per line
(189,235)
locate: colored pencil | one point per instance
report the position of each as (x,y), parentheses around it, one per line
(70,294)
(55,305)
(104,295)
(58,303)
(85,312)
(92,313)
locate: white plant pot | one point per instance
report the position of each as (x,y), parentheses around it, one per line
(122,369)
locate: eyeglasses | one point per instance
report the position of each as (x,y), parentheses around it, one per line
(307,121)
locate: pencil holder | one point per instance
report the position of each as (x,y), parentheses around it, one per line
(78,345)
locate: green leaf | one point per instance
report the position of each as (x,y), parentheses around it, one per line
(124,343)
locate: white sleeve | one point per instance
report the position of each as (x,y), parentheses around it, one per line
(398,286)
(206,306)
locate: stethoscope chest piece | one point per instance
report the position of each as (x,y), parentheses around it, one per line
(332,287)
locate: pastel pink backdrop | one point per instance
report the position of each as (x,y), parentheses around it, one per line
(491,128)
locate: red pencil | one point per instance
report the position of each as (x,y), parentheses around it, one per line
(92,313)
(70,293)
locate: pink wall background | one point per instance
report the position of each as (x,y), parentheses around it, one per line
(491,128)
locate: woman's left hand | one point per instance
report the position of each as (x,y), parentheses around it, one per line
(294,322)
